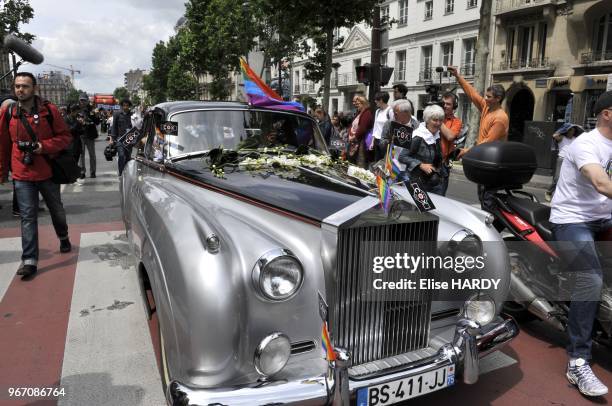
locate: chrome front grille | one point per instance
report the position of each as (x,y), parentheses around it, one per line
(376,324)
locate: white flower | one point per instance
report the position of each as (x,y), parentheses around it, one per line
(361,174)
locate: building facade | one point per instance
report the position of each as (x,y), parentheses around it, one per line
(54,86)
(420,35)
(548,52)
(132,81)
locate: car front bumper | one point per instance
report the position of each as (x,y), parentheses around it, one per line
(470,343)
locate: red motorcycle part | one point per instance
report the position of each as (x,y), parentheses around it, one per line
(528,232)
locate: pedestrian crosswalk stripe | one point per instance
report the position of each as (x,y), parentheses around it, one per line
(109,357)
(9,261)
(104,182)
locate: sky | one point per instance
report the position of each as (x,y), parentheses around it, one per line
(102,39)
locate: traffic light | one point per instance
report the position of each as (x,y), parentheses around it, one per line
(363,74)
(385,75)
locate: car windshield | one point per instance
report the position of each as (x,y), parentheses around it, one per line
(242,129)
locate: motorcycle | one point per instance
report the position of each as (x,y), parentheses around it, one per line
(537,269)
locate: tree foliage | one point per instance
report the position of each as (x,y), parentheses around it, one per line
(216,34)
(121,93)
(325,17)
(14,13)
(73,96)
(163,58)
(181,85)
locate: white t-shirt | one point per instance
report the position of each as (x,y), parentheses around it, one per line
(563,144)
(382,116)
(576,200)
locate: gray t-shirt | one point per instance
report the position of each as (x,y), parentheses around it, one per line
(576,200)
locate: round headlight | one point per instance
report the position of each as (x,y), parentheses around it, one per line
(272,354)
(278,274)
(480,308)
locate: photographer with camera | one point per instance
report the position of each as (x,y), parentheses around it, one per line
(122,123)
(31,132)
(89,120)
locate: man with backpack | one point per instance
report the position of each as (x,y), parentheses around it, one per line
(31,132)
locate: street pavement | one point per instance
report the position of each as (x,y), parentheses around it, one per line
(81,325)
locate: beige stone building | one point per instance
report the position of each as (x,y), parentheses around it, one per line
(548,52)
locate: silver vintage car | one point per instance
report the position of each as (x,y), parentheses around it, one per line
(253,243)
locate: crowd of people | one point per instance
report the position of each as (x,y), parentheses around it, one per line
(423,149)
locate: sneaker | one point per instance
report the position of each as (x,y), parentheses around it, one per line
(65,245)
(579,373)
(26,271)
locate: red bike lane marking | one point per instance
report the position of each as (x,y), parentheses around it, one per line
(34,315)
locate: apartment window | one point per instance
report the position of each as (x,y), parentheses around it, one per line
(426,55)
(472,3)
(429,10)
(469,56)
(403,12)
(334,105)
(296,84)
(543,32)
(602,39)
(447,53)
(450,7)
(384,15)
(526,46)
(400,66)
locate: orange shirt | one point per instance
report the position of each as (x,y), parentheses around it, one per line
(454,124)
(493,124)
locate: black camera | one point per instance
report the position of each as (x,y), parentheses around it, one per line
(27,147)
(434,95)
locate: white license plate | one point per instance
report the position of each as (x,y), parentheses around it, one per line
(407,388)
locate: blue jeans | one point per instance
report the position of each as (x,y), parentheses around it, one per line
(582,260)
(124,154)
(27,198)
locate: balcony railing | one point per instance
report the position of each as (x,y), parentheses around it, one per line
(347,79)
(594,57)
(304,87)
(468,69)
(537,63)
(426,75)
(296,88)
(503,6)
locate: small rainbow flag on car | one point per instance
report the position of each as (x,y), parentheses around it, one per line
(390,166)
(330,355)
(260,94)
(384,193)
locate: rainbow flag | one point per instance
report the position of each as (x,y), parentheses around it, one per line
(390,166)
(384,193)
(260,94)
(330,355)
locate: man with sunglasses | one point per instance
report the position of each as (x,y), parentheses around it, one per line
(581,209)
(30,132)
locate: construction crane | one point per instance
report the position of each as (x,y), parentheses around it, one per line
(71,69)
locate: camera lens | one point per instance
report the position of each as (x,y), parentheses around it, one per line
(28,159)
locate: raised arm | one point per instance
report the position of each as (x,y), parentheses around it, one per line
(469,90)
